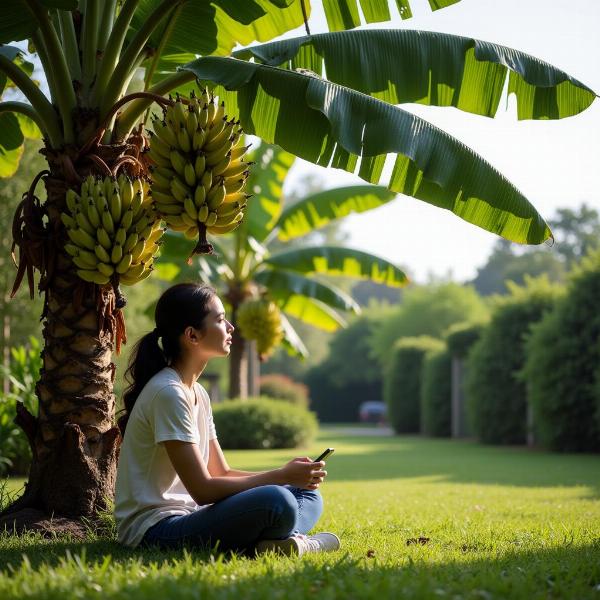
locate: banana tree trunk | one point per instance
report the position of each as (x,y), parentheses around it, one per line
(238,360)
(73,439)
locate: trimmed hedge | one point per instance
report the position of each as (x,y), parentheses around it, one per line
(436,394)
(263,423)
(563,366)
(460,338)
(282,387)
(496,397)
(402,382)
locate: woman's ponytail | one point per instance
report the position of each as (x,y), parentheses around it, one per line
(179,306)
(146,360)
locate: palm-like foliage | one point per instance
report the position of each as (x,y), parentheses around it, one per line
(331,98)
(299,277)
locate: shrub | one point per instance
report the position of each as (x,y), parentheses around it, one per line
(436,394)
(263,423)
(282,387)
(402,382)
(496,396)
(460,338)
(562,369)
(23,373)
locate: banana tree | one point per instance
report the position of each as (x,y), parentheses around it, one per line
(92,123)
(296,276)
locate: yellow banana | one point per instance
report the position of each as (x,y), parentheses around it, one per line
(190,207)
(191,232)
(183,139)
(189,221)
(163,198)
(105,269)
(107,221)
(72,200)
(177,161)
(131,241)
(198,139)
(199,196)
(92,214)
(101,253)
(126,191)
(93,276)
(236,197)
(206,180)
(221,167)
(212,110)
(221,229)
(203,213)
(124,263)
(127,219)
(104,238)
(121,236)
(215,157)
(115,205)
(239,151)
(168,209)
(191,124)
(200,166)
(81,238)
(219,138)
(234,185)
(82,263)
(216,196)
(211,219)
(179,189)
(137,250)
(156,235)
(165,134)
(116,253)
(203,117)
(189,174)
(100,202)
(159,146)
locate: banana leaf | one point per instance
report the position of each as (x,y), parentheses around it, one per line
(331,125)
(11,144)
(292,341)
(217,27)
(344,14)
(283,284)
(317,210)
(431,68)
(16,21)
(265,183)
(346,262)
(310,311)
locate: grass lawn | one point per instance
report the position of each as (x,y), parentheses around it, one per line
(493,522)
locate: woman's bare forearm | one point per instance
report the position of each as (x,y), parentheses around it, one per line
(218,488)
(237,473)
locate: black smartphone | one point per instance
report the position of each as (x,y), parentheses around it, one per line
(325,454)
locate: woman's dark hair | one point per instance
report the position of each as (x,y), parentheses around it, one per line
(181,306)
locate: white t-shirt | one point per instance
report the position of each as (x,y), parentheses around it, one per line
(148,488)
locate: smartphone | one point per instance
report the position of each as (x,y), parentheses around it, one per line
(325,454)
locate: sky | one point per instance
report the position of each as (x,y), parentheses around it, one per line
(554,163)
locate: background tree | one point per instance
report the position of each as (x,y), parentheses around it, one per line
(90,52)
(425,310)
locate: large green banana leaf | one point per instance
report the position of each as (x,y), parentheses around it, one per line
(18,23)
(331,125)
(344,14)
(265,183)
(203,27)
(292,341)
(333,260)
(310,311)
(11,144)
(432,68)
(317,210)
(283,284)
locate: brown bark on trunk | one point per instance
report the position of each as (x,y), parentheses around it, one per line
(238,361)
(74,440)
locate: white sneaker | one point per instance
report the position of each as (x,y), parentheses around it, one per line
(297,545)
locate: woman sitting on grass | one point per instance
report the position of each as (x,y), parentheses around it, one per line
(174,487)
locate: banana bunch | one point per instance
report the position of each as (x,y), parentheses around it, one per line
(198,175)
(260,320)
(114,230)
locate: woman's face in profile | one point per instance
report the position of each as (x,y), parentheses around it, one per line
(215,338)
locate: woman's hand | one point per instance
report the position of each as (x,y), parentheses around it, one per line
(304,473)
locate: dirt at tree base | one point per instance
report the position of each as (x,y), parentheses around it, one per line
(30,519)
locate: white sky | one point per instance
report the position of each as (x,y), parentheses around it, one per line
(554,163)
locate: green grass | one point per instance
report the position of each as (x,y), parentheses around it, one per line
(501,522)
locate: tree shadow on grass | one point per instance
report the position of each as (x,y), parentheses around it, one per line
(415,571)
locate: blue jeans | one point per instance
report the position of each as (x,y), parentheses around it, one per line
(239,521)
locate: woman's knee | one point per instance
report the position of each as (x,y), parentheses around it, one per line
(281,503)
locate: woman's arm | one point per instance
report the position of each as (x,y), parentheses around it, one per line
(218,465)
(205,489)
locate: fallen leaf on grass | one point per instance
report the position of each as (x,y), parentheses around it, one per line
(419,540)
(370,553)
